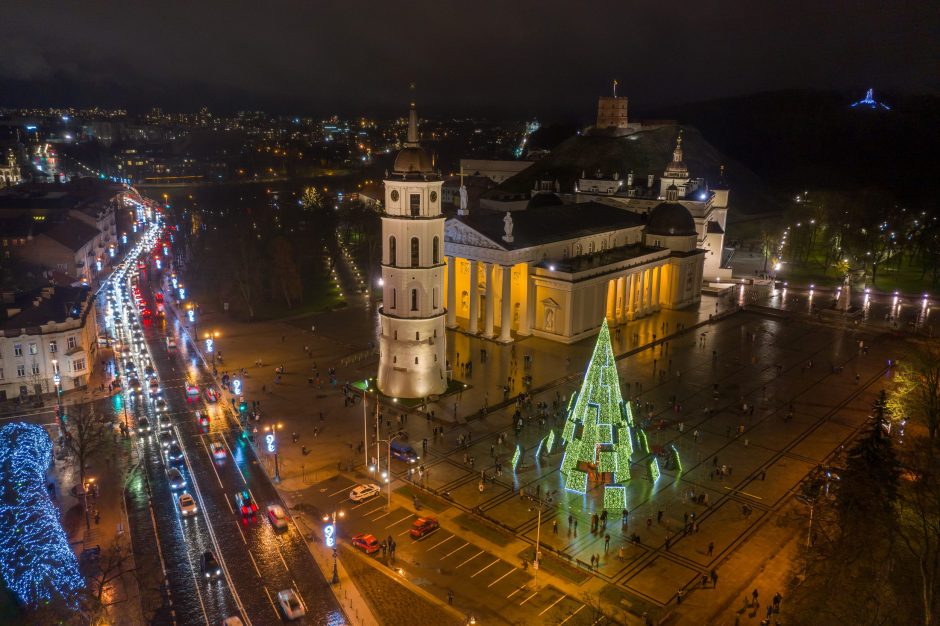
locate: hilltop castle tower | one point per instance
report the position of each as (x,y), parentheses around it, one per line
(412,361)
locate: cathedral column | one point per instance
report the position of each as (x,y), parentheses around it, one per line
(644,297)
(611,300)
(451,292)
(621,284)
(628,303)
(656,285)
(527,319)
(474,326)
(488,310)
(505,306)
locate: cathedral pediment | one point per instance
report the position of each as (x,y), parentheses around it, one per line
(460,233)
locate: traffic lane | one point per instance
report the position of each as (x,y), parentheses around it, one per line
(218,509)
(290,548)
(188,597)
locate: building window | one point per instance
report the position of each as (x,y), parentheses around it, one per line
(78,365)
(71,342)
(1,373)
(394,299)
(21,370)
(436,250)
(396,335)
(434,297)
(415,252)
(392,251)
(416,360)
(53,347)
(17,349)
(414,201)
(417,336)
(591,248)
(35,369)
(414,299)
(394,359)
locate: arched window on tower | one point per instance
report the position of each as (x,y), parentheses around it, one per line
(436,250)
(414,299)
(414,252)
(392,250)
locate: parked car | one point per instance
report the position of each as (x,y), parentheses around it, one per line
(365,542)
(423,526)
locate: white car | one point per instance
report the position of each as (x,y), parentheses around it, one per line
(187,505)
(290,604)
(277,516)
(364,492)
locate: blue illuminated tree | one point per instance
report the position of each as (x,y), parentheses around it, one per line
(37,563)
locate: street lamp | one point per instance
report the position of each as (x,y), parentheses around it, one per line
(538,543)
(270,443)
(388,474)
(57,380)
(329,538)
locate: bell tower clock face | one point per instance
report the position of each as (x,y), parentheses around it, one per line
(433,196)
(394,195)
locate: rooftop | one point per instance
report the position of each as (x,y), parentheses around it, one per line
(548,224)
(46,305)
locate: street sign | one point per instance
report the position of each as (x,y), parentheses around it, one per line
(236,387)
(329,535)
(270,442)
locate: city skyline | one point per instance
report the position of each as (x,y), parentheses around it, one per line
(336,58)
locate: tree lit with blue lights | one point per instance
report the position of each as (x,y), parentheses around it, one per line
(37,562)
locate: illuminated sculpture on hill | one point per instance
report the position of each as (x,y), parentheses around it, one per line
(600,435)
(870,102)
(37,562)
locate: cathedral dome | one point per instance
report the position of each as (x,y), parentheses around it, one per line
(413,159)
(543,199)
(670,219)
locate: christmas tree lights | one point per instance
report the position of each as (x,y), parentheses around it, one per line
(37,562)
(551,441)
(515,457)
(615,497)
(600,436)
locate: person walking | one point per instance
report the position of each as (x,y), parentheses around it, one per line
(555,527)
(606,543)
(711,548)
(450,597)
(714,576)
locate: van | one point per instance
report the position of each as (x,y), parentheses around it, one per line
(403,452)
(170,344)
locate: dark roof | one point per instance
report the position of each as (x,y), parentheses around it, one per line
(543,199)
(413,160)
(533,227)
(64,303)
(714,228)
(670,219)
(72,233)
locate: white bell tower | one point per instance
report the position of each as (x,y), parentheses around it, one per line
(412,361)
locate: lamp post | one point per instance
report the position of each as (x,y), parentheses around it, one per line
(270,442)
(388,473)
(329,538)
(57,380)
(538,543)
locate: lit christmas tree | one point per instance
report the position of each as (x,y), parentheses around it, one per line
(599,432)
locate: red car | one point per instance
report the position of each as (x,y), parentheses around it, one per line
(367,543)
(423,526)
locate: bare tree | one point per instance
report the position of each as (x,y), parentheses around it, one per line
(85,434)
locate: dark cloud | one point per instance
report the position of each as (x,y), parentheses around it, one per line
(523,57)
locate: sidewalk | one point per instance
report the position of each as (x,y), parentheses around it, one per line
(122,596)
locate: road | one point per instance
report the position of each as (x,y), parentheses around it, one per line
(257,561)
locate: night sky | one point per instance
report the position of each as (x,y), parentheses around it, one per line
(511,57)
